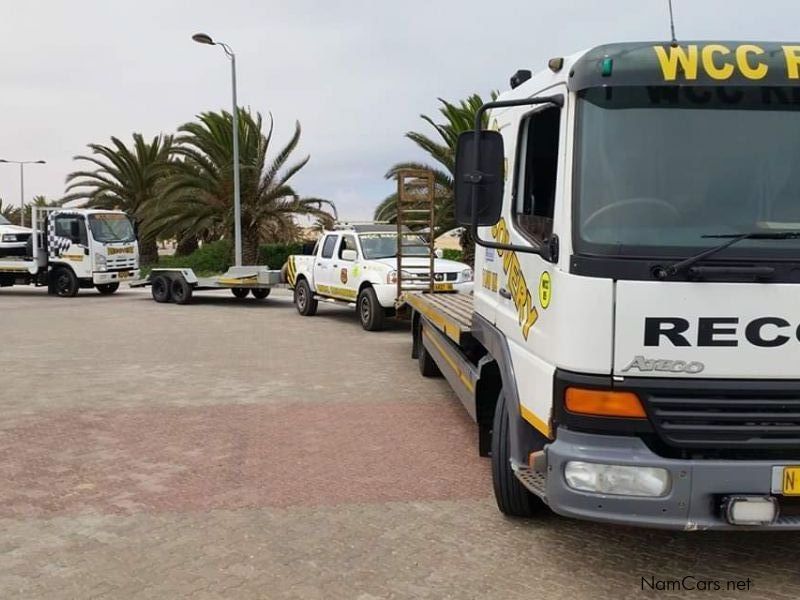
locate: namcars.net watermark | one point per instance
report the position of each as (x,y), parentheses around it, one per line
(690,583)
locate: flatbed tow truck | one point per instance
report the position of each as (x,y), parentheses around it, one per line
(631,350)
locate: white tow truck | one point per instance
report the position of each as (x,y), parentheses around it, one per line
(357,264)
(71,248)
(632,353)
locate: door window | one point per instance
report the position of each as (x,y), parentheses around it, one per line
(328,246)
(71,227)
(537,171)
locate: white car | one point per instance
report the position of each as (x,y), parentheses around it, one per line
(358,265)
(13,238)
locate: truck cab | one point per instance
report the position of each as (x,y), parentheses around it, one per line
(634,347)
(358,264)
(70,249)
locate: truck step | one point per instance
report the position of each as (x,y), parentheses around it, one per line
(534,481)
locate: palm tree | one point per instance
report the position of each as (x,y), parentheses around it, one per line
(200,191)
(458,117)
(127,179)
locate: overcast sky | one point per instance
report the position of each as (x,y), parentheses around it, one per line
(356,73)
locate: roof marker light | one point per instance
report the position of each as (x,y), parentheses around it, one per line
(606,67)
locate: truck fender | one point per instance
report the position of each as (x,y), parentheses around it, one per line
(496,369)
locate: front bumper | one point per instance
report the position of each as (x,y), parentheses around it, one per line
(103,277)
(692,503)
(387,292)
(12,248)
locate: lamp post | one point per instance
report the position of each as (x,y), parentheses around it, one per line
(202,38)
(22,164)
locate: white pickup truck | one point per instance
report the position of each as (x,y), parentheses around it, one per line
(13,238)
(358,265)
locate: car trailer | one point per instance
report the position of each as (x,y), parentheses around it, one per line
(178,285)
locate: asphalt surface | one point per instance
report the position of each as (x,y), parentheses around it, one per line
(233,449)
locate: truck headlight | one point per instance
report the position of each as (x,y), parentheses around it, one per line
(466,275)
(100,262)
(623,480)
(9,237)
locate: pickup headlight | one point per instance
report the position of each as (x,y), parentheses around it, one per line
(9,237)
(100,262)
(466,275)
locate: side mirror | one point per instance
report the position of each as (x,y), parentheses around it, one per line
(486,183)
(439,253)
(349,255)
(75,232)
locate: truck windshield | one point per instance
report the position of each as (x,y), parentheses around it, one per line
(111,227)
(384,245)
(659,168)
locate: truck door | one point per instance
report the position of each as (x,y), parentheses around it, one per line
(323,265)
(525,279)
(346,270)
(68,243)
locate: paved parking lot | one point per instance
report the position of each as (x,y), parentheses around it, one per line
(233,449)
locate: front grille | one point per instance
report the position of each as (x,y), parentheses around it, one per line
(452,276)
(119,262)
(727,420)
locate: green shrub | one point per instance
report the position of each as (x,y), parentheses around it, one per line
(209,259)
(451,254)
(275,255)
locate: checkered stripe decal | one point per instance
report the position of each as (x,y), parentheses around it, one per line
(56,244)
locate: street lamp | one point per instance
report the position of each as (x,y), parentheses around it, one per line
(202,38)
(22,164)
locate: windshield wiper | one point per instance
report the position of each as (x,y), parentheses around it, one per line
(730,239)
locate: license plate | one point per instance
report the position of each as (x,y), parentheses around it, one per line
(791,481)
(123,275)
(443,287)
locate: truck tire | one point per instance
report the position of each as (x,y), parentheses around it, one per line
(513,499)
(240,293)
(160,289)
(370,312)
(427,366)
(304,299)
(106,289)
(181,291)
(260,293)
(65,283)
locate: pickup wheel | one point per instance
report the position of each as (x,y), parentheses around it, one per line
(513,499)
(106,289)
(65,283)
(260,293)
(240,293)
(160,289)
(304,299)
(370,312)
(427,366)
(181,291)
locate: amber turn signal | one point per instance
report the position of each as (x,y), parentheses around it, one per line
(604,403)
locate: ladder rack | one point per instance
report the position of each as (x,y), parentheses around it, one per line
(415,214)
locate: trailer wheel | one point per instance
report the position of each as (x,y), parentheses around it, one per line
(370,312)
(260,293)
(304,300)
(513,499)
(106,289)
(65,283)
(160,289)
(181,291)
(427,366)
(240,293)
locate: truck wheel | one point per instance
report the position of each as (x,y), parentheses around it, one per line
(65,283)
(370,312)
(106,289)
(260,293)
(304,300)
(181,291)
(427,367)
(513,499)
(160,289)
(240,292)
